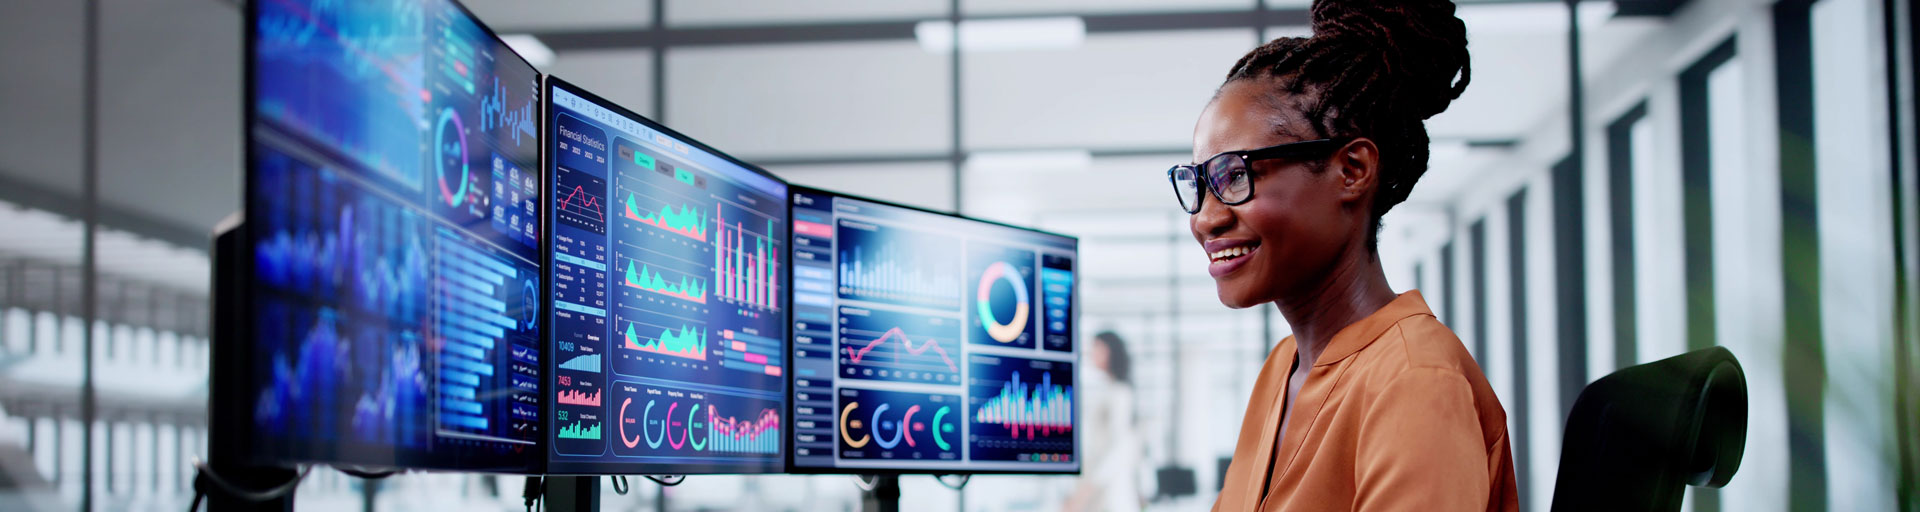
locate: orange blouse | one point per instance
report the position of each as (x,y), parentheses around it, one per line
(1395,415)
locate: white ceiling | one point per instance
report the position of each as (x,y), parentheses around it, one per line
(522,15)
(817,99)
(1117,91)
(170,115)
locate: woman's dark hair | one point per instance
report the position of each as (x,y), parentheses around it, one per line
(1119,364)
(1374,69)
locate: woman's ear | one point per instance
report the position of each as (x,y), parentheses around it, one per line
(1358,167)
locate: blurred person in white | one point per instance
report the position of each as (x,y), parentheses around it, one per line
(1110,464)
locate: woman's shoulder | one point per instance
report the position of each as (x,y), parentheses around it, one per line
(1421,342)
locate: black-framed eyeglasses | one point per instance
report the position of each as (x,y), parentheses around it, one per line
(1228,174)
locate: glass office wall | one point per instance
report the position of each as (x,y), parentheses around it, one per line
(1733,191)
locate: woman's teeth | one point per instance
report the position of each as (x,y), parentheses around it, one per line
(1230,253)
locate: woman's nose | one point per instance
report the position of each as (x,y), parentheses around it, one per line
(1212,220)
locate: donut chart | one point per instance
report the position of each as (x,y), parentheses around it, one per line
(881,425)
(624,420)
(844,423)
(451,158)
(1010,330)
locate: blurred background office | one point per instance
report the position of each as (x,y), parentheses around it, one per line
(1722,172)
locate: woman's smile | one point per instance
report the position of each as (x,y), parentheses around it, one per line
(1229,254)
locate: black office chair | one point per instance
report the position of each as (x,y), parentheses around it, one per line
(1638,436)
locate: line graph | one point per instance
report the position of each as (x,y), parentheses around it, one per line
(900,339)
(582,200)
(893,346)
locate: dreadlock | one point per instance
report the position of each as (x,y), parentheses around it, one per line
(1372,69)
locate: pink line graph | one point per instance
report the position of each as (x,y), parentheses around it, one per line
(592,205)
(856,355)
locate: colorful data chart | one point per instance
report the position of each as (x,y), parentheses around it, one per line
(1056,286)
(1022,409)
(476,321)
(658,421)
(895,346)
(687,343)
(897,266)
(684,220)
(747,265)
(1002,291)
(586,363)
(687,288)
(751,353)
(580,430)
(894,425)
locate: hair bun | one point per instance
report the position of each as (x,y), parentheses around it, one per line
(1422,44)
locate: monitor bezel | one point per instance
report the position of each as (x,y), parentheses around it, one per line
(782,464)
(247,451)
(793,467)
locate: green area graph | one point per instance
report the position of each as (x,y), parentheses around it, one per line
(579,431)
(684,220)
(645,278)
(689,342)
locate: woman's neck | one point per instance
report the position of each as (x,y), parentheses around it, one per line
(1354,289)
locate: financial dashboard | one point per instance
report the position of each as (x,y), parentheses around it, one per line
(391,190)
(925,342)
(668,307)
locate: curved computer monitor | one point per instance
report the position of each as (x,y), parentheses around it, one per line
(930,343)
(669,299)
(391,242)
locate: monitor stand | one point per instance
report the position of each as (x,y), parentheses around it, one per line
(883,497)
(229,248)
(572,493)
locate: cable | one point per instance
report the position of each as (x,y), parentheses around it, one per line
(204,476)
(962,485)
(620,486)
(531,491)
(667,480)
(868,486)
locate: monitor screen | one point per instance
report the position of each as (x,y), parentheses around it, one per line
(391,190)
(925,342)
(669,304)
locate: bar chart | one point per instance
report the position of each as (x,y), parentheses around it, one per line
(874,265)
(476,321)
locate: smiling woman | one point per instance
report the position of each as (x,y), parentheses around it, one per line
(1329,130)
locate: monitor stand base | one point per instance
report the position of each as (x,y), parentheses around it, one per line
(883,497)
(220,500)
